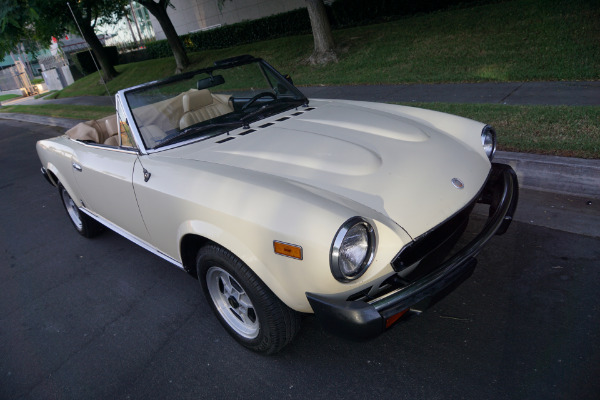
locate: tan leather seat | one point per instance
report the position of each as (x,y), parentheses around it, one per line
(112,141)
(201,105)
(97,131)
(112,130)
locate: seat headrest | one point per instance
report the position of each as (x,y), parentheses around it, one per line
(196,99)
(111,125)
(85,131)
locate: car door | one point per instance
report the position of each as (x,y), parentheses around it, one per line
(104,177)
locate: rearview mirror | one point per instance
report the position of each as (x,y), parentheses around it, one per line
(210,82)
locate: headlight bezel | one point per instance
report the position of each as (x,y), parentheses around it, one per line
(338,242)
(488,141)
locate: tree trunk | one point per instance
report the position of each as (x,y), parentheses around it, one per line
(324,47)
(159,10)
(108,70)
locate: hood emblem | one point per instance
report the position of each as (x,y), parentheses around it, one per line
(457,183)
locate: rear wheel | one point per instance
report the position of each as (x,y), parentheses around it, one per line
(244,305)
(85,225)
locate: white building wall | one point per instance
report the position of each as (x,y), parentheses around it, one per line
(193,15)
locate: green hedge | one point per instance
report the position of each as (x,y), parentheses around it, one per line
(345,13)
(286,24)
(86,64)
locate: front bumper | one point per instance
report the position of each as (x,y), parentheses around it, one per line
(366,319)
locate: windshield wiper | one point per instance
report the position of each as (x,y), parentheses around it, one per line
(268,106)
(189,132)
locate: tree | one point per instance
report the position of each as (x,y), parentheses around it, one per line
(44,19)
(15,17)
(324,51)
(159,10)
(87,14)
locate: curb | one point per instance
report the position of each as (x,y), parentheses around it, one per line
(66,123)
(565,175)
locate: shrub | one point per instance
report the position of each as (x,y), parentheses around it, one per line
(285,24)
(86,64)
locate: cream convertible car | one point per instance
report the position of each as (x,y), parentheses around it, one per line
(281,206)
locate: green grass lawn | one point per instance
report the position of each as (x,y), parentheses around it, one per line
(8,96)
(554,130)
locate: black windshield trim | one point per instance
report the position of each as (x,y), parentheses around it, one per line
(190,132)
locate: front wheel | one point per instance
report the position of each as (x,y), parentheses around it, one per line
(244,305)
(85,225)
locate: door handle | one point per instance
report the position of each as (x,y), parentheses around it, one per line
(77,167)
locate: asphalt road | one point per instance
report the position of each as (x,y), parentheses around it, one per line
(104,319)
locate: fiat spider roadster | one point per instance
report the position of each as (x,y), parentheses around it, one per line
(283,206)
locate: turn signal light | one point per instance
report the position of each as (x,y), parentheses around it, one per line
(394,318)
(287,250)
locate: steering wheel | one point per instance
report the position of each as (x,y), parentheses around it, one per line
(256,97)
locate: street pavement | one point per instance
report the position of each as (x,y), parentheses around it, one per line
(105,319)
(566,175)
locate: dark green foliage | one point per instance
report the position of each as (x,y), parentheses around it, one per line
(345,13)
(86,64)
(137,56)
(159,49)
(286,24)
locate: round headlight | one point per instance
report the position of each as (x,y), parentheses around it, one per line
(488,141)
(352,250)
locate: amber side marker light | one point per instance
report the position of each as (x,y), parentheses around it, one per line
(394,318)
(287,250)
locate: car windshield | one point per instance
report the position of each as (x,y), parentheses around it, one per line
(210,102)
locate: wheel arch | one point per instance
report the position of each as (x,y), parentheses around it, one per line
(200,234)
(189,246)
(52,177)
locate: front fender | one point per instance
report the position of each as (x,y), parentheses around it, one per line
(56,158)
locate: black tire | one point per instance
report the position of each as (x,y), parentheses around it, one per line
(243,304)
(85,225)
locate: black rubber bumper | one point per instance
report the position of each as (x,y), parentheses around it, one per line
(362,320)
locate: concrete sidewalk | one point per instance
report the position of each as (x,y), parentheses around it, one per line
(82,101)
(566,175)
(516,93)
(532,93)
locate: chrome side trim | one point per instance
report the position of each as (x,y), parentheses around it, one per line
(131,237)
(106,147)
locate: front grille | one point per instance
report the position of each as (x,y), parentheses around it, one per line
(432,247)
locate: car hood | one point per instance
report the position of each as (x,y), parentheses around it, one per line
(386,160)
